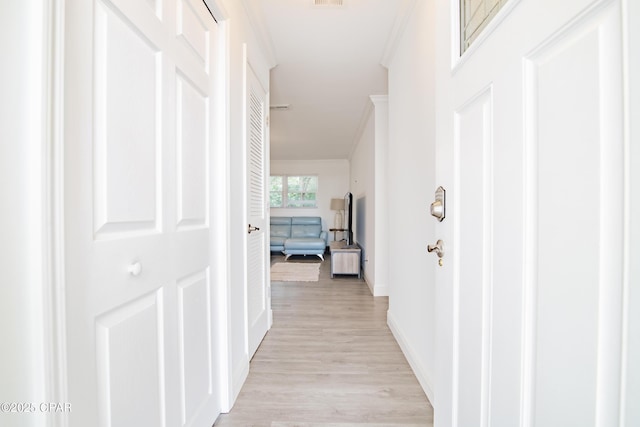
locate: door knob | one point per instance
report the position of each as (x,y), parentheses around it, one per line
(438,248)
(253,228)
(135,269)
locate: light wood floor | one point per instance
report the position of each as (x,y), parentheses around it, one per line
(329,360)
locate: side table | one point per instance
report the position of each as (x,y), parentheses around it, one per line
(344,259)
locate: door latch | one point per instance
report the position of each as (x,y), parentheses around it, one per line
(253,229)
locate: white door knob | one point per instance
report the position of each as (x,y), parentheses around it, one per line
(135,269)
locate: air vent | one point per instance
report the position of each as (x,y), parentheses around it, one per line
(328,2)
(280,107)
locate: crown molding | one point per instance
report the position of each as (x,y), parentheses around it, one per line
(405,9)
(257,22)
(364,118)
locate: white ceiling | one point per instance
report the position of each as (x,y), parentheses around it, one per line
(328,63)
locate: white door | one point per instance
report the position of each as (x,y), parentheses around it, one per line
(258,283)
(530,147)
(138,130)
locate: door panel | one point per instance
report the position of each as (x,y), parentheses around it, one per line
(194,310)
(192,152)
(137,143)
(473,124)
(130,362)
(578,171)
(126,139)
(192,30)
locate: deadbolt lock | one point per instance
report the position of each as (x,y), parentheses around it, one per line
(438,206)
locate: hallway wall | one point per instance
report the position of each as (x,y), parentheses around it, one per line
(243,47)
(411,187)
(369,185)
(22,134)
(362,185)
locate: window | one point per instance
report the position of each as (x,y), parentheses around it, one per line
(276,192)
(474,17)
(293,191)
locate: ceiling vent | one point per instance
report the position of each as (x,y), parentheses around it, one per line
(328,2)
(280,107)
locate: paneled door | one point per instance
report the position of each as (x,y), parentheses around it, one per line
(530,147)
(258,282)
(138,132)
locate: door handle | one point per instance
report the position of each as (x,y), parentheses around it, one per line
(438,248)
(135,269)
(253,228)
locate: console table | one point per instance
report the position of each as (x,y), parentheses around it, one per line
(344,259)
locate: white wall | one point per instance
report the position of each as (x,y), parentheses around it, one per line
(22,147)
(333,183)
(363,189)
(243,47)
(411,187)
(369,185)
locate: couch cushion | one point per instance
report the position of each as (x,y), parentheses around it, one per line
(280,220)
(277,241)
(306,220)
(299,231)
(281,231)
(304,244)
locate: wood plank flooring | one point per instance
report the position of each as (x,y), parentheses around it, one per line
(329,360)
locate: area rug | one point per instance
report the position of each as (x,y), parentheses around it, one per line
(295,272)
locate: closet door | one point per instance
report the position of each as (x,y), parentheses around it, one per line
(138,110)
(258,284)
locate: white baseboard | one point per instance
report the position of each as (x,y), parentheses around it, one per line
(240,375)
(381,291)
(412,358)
(376,290)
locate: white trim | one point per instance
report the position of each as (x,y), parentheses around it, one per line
(364,118)
(405,11)
(54,317)
(458,60)
(376,290)
(240,375)
(530,244)
(411,356)
(488,262)
(630,374)
(257,21)
(219,231)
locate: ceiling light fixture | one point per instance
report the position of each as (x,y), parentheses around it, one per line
(328,2)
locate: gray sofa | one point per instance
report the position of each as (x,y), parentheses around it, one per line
(298,235)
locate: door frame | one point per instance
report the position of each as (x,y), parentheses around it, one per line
(630,412)
(52,198)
